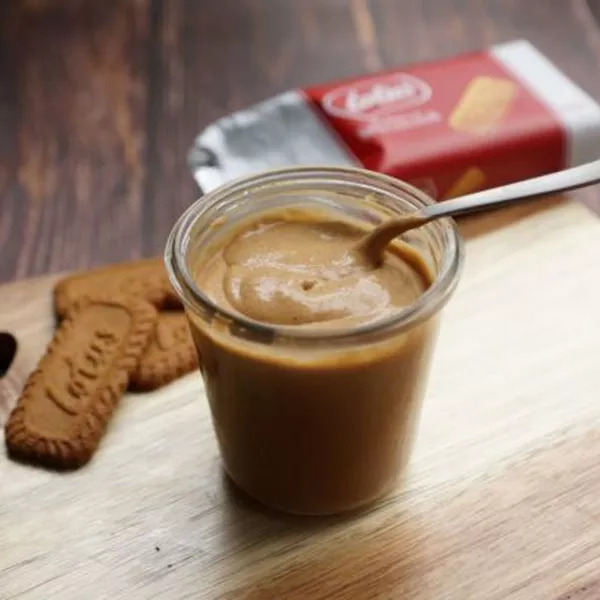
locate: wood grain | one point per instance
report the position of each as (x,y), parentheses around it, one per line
(500,501)
(99,101)
(74,167)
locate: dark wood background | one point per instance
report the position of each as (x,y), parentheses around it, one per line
(100,99)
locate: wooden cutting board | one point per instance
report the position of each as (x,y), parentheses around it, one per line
(502,498)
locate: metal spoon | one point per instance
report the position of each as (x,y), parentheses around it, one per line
(373,244)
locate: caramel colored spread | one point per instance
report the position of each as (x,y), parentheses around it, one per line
(310,273)
(313,427)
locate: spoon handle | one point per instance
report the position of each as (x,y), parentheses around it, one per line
(561,181)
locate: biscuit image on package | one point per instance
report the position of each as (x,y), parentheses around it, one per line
(69,399)
(146,279)
(170,354)
(470,181)
(484,102)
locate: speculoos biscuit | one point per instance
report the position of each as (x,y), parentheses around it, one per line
(69,399)
(146,279)
(169,355)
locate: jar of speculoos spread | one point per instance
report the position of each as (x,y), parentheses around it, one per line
(311,419)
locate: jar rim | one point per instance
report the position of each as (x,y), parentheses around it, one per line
(430,302)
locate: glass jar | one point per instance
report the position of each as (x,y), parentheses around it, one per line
(314,421)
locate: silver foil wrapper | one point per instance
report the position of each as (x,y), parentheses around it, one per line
(278,132)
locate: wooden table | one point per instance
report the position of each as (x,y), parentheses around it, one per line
(97,110)
(500,501)
(100,100)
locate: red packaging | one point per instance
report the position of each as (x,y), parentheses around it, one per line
(450,127)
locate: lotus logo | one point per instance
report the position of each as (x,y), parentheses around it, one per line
(371,99)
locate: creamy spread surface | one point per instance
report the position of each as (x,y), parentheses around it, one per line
(309,272)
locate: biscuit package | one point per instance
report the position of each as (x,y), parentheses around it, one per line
(449,127)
